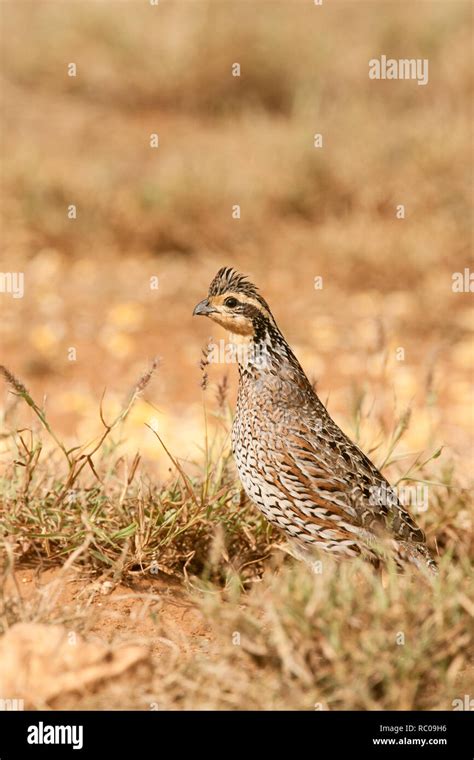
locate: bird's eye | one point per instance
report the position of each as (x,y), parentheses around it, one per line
(231,302)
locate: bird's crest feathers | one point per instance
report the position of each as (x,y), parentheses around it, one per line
(228,279)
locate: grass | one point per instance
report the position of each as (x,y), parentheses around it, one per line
(280,637)
(164,528)
(342,642)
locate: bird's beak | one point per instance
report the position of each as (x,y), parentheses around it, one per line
(203,308)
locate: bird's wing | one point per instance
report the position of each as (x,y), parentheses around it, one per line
(331,479)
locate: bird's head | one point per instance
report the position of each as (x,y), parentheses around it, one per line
(235,304)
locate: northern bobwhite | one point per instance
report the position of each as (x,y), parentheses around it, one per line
(295,463)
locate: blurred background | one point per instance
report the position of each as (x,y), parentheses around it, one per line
(306,212)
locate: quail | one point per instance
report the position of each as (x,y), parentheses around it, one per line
(295,464)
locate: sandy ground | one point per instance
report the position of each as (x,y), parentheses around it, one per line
(118,612)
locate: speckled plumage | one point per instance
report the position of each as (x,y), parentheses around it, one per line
(295,463)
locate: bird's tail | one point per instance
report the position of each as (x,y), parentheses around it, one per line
(419,555)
